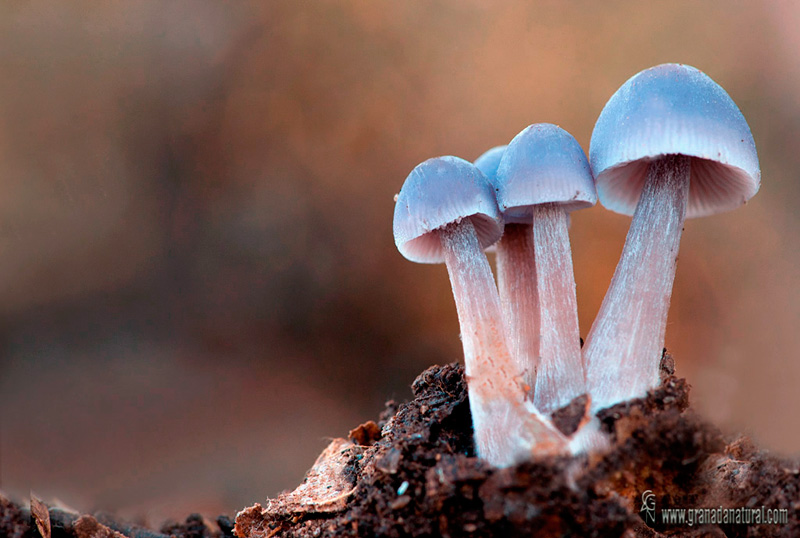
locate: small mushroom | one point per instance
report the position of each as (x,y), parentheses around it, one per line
(446,211)
(489,161)
(516,283)
(669,144)
(543,176)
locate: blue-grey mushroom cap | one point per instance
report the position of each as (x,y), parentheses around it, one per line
(543,164)
(489,161)
(674,109)
(439,192)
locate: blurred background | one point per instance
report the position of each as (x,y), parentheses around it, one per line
(199,285)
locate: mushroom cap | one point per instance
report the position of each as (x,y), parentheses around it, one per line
(436,193)
(543,164)
(674,109)
(489,161)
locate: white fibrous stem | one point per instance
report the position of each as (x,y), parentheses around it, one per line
(507,429)
(624,346)
(560,376)
(516,282)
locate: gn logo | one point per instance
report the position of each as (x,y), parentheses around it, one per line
(649,506)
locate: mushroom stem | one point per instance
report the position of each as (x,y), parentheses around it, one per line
(560,376)
(506,430)
(624,346)
(516,282)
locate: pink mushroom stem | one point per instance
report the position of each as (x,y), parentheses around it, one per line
(519,298)
(624,346)
(560,376)
(506,430)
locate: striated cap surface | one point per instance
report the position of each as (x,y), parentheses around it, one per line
(674,109)
(436,193)
(543,164)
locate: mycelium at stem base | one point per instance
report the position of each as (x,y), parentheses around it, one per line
(624,346)
(560,376)
(507,431)
(516,281)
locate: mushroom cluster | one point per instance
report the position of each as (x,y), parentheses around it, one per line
(669,144)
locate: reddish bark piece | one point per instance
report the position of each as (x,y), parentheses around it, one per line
(89,527)
(41,516)
(365,434)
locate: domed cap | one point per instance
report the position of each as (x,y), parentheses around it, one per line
(674,109)
(543,164)
(489,161)
(436,193)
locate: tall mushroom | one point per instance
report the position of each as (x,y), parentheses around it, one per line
(446,211)
(543,176)
(669,144)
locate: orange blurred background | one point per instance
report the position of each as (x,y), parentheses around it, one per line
(199,284)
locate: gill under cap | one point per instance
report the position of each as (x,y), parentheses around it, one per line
(674,109)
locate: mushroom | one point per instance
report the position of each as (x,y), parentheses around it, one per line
(489,161)
(543,176)
(446,211)
(669,144)
(516,282)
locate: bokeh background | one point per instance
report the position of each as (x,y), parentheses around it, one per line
(198,281)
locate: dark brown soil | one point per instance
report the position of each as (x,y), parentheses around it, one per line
(418,476)
(414,473)
(22,522)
